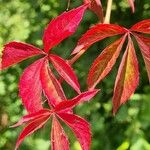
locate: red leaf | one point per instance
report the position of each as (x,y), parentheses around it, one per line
(69,104)
(127,77)
(96,7)
(131,3)
(31,117)
(62,27)
(30,128)
(144,44)
(15,52)
(80,127)
(30,87)
(142,26)
(97,33)
(104,63)
(65,71)
(51,86)
(59,140)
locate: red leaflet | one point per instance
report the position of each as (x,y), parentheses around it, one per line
(127,77)
(65,71)
(31,117)
(30,87)
(30,128)
(131,3)
(104,63)
(97,33)
(62,27)
(96,7)
(59,140)
(80,127)
(144,44)
(86,96)
(15,52)
(142,26)
(51,86)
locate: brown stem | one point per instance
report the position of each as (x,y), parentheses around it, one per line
(108,11)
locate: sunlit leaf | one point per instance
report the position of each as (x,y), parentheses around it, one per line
(127,77)
(80,127)
(51,86)
(142,26)
(65,71)
(144,44)
(104,62)
(30,128)
(62,27)
(59,140)
(97,33)
(15,52)
(69,104)
(30,89)
(31,117)
(96,7)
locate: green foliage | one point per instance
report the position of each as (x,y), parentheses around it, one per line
(24,21)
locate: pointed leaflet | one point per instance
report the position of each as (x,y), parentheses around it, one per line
(59,140)
(15,52)
(131,3)
(142,26)
(97,33)
(31,117)
(51,86)
(69,104)
(80,127)
(144,44)
(30,128)
(30,87)
(96,7)
(65,71)
(127,77)
(62,27)
(104,62)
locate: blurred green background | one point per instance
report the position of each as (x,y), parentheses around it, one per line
(24,20)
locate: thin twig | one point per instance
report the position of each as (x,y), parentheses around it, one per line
(108,11)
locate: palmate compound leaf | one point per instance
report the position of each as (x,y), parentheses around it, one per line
(31,128)
(131,3)
(96,7)
(144,44)
(127,78)
(97,33)
(65,71)
(80,127)
(30,88)
(59,140)
(104,62)
(62,27)
(15,52)
(51,86)
(142,26)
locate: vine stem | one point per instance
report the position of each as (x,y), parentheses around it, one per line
(108,11)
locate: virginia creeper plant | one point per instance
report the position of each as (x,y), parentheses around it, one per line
(39,81)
